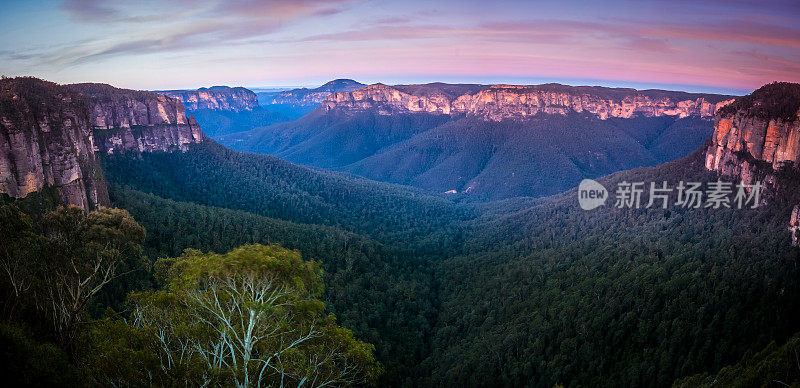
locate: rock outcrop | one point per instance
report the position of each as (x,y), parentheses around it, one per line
(215,98)
(46,141)
(51,135)
(501,102)
(310,97)
(755,135)
(758,135)
(137,121)
(794,225)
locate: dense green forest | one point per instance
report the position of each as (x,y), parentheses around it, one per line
(616,296)
(262,320)
(519,292)
(773,366)
(352,282)
(384,294)
(213,175)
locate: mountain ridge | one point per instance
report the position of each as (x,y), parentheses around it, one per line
(228,98)
(489,141)
(499,102)
(309,97)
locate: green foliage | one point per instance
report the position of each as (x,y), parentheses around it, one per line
(85,252)
(520,292)
(285,267)
(25,361)
(385,295)
(617,297)
(247,317)
(52,270)
(119,354)
(523,292)
(212,175)
(778,100)
(773,366)
(17,240)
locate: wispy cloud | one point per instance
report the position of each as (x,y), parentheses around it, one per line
(90,10)
(735,43)
(210,24)
(742,31)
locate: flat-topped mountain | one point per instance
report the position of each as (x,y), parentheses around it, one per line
(50,133)
(133,120)
(499,102)
(222,109)
(216,98)
(490,142)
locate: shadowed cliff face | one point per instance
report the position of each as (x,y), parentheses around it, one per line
(46,140)
(216,98)
(137,121)
(222,110)
(757,136)
(500,102)
(49,135)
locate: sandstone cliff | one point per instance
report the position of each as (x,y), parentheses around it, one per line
(500,102)
(46,141)
(50,135)
(758,135)
(759,130)
(138,121)
(215,98)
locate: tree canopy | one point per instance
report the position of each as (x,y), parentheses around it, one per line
(249,317)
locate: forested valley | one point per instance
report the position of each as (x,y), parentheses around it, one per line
(519,292)
(217,267)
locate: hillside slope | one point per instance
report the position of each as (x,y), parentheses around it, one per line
(489,142)
(529,292)
(212,175)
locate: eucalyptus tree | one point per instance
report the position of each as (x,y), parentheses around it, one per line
(250,317)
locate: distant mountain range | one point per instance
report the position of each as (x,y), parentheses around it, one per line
(221,98)
(482,142)
(299,102)
(490,142)
(221,110)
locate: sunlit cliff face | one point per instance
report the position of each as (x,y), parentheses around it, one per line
(500,102)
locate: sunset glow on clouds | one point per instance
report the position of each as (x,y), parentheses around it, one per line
(712,45)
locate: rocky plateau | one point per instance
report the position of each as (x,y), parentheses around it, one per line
(52,135)
(501,102)
(225,98)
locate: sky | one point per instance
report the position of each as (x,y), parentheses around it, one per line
(718,46)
